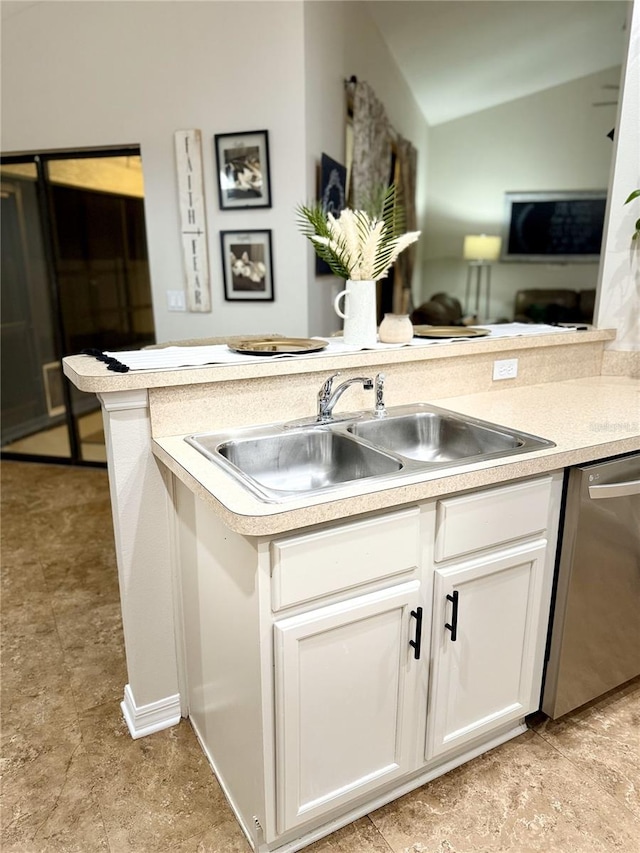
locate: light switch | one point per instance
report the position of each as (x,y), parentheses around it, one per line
(176,300)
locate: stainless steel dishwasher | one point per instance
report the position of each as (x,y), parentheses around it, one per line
(595,635)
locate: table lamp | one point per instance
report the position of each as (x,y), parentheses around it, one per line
(480,250)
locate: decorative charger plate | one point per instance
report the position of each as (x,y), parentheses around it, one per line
(278,346)
(449,332)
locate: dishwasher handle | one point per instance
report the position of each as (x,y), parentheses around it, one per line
(615,490)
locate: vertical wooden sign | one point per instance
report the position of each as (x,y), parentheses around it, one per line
(193,223)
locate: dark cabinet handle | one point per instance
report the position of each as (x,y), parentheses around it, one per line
(417,614)
(453,627)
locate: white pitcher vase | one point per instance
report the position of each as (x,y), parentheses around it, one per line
(360,313)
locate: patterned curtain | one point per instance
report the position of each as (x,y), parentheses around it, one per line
(377,150)
(405,178)
(371,164)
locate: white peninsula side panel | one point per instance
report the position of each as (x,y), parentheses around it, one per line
(143,527)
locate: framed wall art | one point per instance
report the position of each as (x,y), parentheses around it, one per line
(247,266)
(332,181)
(242,160)
(193,220)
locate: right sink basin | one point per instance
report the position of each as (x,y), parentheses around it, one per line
(435,436)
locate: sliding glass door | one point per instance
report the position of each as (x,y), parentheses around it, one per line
(75,274)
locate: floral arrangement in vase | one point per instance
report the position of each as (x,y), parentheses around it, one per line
(359,245)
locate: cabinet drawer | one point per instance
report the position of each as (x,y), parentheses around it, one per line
(492,517)
(348,555)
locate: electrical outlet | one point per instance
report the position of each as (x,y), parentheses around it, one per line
(507,368)
(175,300)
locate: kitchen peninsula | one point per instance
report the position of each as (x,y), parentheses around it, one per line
(221,590)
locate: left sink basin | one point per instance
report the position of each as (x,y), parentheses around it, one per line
(277,464)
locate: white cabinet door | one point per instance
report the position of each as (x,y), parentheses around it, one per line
(486,621)
(346,679)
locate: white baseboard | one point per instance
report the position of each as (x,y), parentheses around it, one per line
(144,720)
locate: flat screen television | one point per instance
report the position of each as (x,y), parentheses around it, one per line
(554,227)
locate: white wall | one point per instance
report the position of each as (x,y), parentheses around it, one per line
(91,74)
(342,40)
(325,71)
(554,140)
(619,295)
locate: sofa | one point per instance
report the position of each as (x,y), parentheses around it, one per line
(441,310)
(554,306)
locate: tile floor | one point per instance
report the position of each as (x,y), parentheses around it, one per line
(73,779)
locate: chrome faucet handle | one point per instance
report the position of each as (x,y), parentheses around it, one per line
(324,395)
(380,409)
(327,386)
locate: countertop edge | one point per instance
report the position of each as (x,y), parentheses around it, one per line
(284,520)
(92,376)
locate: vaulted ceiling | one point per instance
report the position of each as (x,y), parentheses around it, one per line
(462,56)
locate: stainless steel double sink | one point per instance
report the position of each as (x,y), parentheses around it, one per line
(280,461)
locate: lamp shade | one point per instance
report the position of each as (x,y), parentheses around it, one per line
(481,247)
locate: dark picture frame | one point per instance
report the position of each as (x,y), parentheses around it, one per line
(247,266)
(332,182)
(242,162)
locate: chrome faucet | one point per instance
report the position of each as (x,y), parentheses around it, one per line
(327,397)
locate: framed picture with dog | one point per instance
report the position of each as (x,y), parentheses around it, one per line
(242,161)
(247,266)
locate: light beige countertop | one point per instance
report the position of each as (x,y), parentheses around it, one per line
(89,374)
(588,419)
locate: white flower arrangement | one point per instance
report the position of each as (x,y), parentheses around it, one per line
(358,245)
